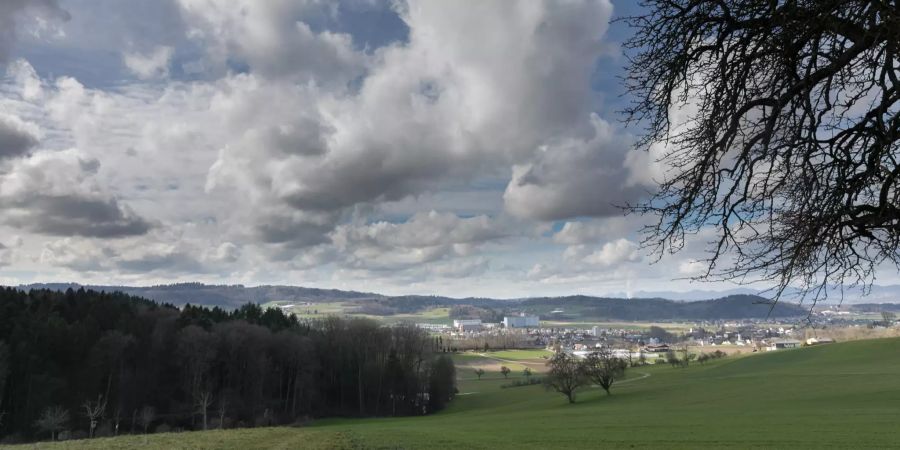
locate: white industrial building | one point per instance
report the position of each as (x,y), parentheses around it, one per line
(521,321)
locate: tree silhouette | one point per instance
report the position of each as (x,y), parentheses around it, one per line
(776,125)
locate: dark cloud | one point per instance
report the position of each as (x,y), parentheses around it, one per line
(15,139)
(71,215)
(294,230)
(56,194)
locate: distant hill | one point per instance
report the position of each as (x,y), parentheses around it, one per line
(225,296)
(571,308)
(877,294)
(730,307)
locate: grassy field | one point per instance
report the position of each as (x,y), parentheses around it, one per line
(840,396)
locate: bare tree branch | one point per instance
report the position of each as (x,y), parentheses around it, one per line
(792,154)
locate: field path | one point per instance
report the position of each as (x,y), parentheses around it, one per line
(643,375)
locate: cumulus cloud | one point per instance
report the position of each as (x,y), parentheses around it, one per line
(168,252)
(574,178)
(56,194)
(433,112)
(76,254)
(424,238)
(9,250)
(272,38)
(226,252)
(290,150)
(159,256)
(590,232)
(151,65)
(616,252)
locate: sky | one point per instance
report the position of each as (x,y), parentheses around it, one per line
(452,148)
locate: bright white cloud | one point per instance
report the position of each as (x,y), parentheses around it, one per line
(616,252)
(151,65)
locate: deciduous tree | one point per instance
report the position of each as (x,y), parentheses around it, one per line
(777,125)
(603,368)
(565,375)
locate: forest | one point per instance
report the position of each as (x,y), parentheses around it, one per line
(82,363)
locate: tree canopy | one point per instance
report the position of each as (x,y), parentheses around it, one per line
(106,363)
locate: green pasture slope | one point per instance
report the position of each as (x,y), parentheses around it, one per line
(840,396)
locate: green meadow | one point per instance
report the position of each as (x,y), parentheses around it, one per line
(844,395)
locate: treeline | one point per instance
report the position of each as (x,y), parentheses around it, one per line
(99,364)
(475,312)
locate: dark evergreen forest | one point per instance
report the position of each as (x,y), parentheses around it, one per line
(85,363)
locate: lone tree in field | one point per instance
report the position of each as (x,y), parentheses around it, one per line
(505,371)
(776,125)
(479,373)
(527,373)
(672,358)
(564,375)
(604,369)
(53,420)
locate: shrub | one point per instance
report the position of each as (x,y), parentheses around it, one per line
(520,383)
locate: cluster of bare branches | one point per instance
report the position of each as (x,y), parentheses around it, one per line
(791,155)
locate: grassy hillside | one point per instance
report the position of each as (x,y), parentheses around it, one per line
(841,396)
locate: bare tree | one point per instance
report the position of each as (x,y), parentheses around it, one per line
(196,350)
(146,417)
(527,373)
(479,372)
(94,412)
(53,419)
(565,375)
(505,371)
(789,150)
(202,400)
(223,408)
(603,368)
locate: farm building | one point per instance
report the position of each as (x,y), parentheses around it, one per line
(661,348)
(784,343)
(818,341)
